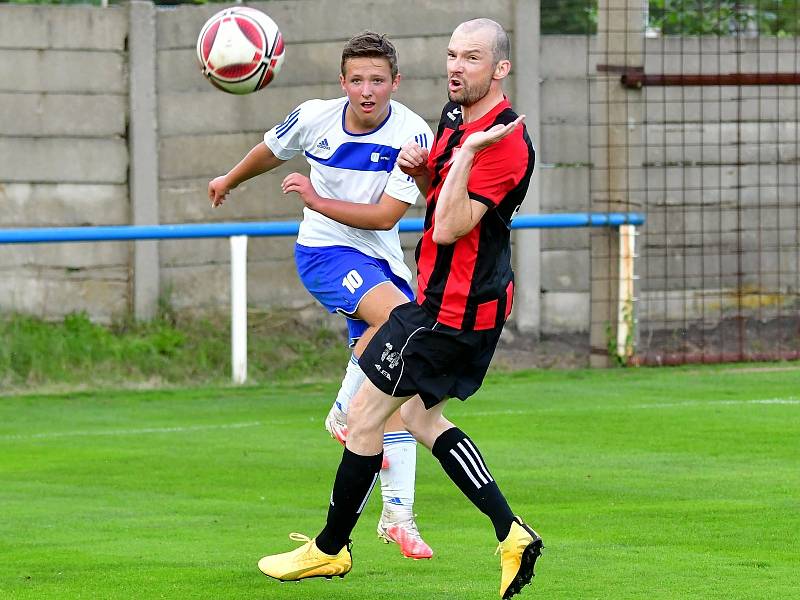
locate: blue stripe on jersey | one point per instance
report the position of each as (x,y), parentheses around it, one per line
(288,118)
(285,128)
(357,156)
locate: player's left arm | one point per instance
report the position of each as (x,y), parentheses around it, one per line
(456,213)
(381,216)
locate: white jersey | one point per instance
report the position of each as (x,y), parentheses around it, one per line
(356,167)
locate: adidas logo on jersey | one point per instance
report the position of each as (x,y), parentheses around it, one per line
(323,145)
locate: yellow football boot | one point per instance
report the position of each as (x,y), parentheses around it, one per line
(518,554)
(306,561)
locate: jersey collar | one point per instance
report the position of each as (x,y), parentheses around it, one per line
(487,119)
(344,127)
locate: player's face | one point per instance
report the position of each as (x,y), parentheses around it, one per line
(369,86)
(470,66)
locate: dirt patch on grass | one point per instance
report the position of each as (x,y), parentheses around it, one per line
(523,351)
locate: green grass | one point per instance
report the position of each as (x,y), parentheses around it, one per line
(649,483)
(172,349)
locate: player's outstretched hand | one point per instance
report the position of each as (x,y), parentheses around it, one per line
(413,159)
(483,139)
(295,182)
(218,190)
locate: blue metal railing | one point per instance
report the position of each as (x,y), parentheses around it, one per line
(238,233)
(276,228)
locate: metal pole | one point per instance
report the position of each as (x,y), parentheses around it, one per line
(625,306)
(239,308)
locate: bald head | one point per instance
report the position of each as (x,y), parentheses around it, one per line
(501,46)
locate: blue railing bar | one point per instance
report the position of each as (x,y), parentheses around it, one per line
(275,228)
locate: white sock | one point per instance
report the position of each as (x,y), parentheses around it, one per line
(353,378)
(397,482)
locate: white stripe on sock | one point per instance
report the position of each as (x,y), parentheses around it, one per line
(468,456)
(466,470)
(369,491)
(481,464)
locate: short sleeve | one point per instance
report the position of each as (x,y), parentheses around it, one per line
(498,169)
(402,186)
(285,139)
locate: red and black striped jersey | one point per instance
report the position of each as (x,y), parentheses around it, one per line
(470,284)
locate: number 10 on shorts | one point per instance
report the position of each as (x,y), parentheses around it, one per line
(352,281)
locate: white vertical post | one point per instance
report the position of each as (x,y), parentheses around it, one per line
(239,308)
(625,315)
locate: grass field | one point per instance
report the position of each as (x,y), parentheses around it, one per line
(667,483)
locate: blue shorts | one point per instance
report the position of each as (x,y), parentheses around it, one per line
(339,277)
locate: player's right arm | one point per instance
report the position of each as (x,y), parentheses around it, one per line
(382,215)
(259,160)
(458,209)
(281,143)
(413,161)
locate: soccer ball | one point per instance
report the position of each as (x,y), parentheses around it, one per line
(240,50)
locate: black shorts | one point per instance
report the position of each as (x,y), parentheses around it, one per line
(414,354)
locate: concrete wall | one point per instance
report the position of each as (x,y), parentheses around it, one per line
(65,152)
(720,168)
(64,148)
(719,174)
(64,156)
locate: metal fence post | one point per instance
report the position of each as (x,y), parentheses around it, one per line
(239,308)
(616,156)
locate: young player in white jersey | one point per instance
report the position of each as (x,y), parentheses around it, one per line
(354,264)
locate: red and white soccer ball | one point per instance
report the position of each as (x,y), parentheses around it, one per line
(240,50)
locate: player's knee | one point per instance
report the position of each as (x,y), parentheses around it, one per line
(362,418)
(417,421)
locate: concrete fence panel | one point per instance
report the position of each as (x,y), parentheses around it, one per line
(66,119)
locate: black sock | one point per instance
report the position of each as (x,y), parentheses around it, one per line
(465,466)
(351,489)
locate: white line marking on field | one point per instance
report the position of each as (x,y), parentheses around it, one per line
(461,414)
(491,413)
(120,432)
(621,407)
(790,400)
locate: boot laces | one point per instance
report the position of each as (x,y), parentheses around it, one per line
(409,525)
